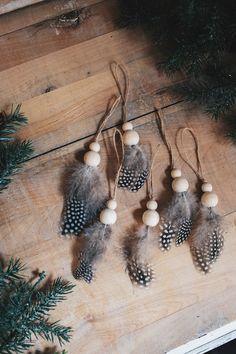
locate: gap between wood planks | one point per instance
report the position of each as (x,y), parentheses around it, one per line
(104,130)
(40,13)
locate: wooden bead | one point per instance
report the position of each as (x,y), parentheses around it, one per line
(127,126)
(92,158)
(152,205)
(112,204)
(176,173)
(209,199)
(94,146)
(207,187)
(130,137)
(150,218)
(108,216)
(180,185)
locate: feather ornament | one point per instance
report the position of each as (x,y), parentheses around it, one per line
(176,222)
(135,168)
(207,239)
(94,242)
(85,195)
(135,251)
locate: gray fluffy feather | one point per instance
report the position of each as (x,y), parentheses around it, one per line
(85,184)
(84,199)
(94,243)
(135,250)
(180,212)
(207,239)
(135,168)
(135,158)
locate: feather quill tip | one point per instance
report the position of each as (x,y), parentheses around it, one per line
(84,271)
(141,274)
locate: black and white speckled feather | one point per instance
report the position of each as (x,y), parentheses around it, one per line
(93,245)
(136,254)
(84,199)
(135,168)
(176,222)
(207,240)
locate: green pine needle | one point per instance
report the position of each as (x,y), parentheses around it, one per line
(24,308)
(10,123)
(12,156)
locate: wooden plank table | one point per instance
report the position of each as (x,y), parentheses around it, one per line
(62,78)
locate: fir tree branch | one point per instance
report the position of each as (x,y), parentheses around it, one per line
(24,307)
(12,272)
(10,123)
(52,331)
(12,155)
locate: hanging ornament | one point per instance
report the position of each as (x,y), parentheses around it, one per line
(207,240)
(135,168)
(137,244)
(85,195)
(176,222)
(95,237)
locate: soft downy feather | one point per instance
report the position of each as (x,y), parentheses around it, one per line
(85,197)
(207,240)
(135,251)
(177,220)
(135,168)
(94,243)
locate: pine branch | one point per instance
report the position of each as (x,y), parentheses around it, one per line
(52,331)
(12,272)
(10,123)
(24,307)
(47,300)
(12,155)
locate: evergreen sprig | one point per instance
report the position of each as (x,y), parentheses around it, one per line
(24,308)
(10,123)
(13,152)
(12,155)
(196,37)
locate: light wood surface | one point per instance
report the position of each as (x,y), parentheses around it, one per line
(11,5)
(110,316)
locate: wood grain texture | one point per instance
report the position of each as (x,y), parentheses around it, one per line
(82,88)
(110,316)
(11,5)
(44,38)
(40,12)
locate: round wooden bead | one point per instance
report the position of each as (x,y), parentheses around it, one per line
(108,216)
(207,187)
(150,218)
(180,185)
(127,126)
(94,146)
(130,137)
(209,199)
(112,204)
(152,205)
(176,173)
(92,158)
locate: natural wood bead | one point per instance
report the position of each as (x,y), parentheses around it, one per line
(207,187)
(152,205)
(112,204)
(130,137)
(94,146)
(180,185)
(92,158)
(209,199)
(127,126)
(108,216)
(176,173)
(150,218)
